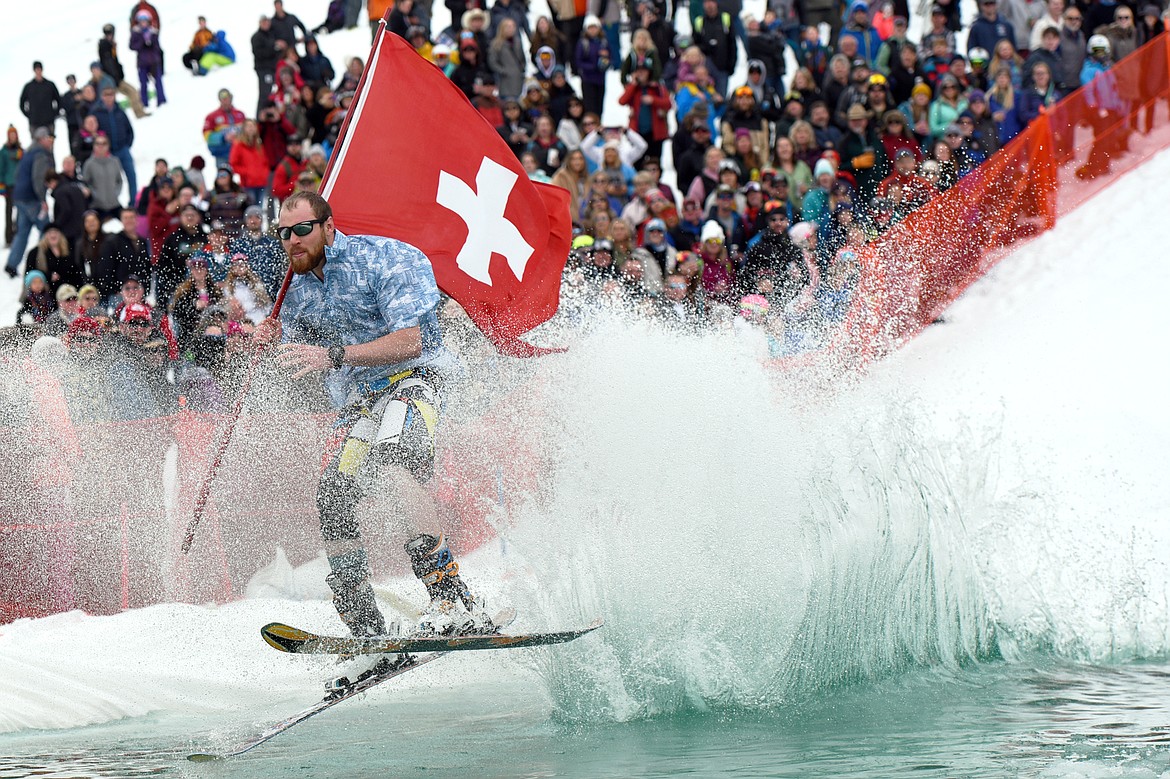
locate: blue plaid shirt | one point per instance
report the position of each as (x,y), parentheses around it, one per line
(373,286)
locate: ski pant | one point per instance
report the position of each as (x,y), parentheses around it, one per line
(392,425)
(127,161)
(9,220)
(131,94)
(144,76)
(28,216)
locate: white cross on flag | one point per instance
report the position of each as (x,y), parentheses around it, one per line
(417,162)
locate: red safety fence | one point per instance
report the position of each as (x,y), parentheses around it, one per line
(1067,155)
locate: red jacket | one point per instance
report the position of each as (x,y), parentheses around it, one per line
(284,178)
(659,107)
(250,163)
(161,224)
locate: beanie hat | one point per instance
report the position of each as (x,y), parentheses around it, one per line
(34,274)
(753,306)
(921,88)
(823,167)
(712,230)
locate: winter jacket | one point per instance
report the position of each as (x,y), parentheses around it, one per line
(40,102)
(250,163)
(714,38)
(216,126)
(942,114)
(69,206)
(122,255)
(592,59)
(985,34)
(104,175)
(508,63)
(145,42)
(865,157)
(30,174)
(284,177)
(172,260)
(108,57)
(868,41)
(115,124)
(648,120)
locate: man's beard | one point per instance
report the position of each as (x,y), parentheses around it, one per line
(309,260)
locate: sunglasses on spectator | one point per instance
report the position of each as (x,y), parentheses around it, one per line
(300,228)
(1073,18)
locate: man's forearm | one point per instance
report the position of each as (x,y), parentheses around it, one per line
(389,349)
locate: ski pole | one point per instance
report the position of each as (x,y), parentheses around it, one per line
(204,493)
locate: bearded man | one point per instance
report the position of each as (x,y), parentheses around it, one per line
(362,310)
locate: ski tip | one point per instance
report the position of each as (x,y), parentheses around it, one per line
(200,757)
(284,637)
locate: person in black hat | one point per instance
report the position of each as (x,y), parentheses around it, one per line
(40,101)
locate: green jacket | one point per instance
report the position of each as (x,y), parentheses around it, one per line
(9,159)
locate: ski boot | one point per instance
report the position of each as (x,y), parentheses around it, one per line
(453,610)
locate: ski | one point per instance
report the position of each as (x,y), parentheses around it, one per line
(290,639)
(328,702)
(410,662)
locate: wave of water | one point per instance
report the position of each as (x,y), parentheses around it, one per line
(753,539)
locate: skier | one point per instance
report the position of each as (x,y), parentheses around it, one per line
(363,310)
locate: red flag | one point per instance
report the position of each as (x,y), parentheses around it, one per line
(417,162)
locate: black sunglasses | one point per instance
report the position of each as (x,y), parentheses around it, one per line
(300,228)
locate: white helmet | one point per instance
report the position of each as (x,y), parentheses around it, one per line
(1099,43)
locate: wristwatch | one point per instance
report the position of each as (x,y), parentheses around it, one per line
(337,355)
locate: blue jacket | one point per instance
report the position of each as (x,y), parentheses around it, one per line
(1101,87)
(220,45)
(985,34)
(869,43)
(589,59)
(35,163)
(116,125)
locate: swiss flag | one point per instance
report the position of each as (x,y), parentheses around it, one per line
(417,162)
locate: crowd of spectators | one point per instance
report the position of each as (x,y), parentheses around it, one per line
(717,200)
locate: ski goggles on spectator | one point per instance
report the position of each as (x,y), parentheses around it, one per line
(300,229)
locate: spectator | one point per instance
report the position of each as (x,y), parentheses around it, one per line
(1047,53)
(246,297)
(285,26)
(945,109)
(249,161)
(220,128)
(144,40)
(178,247)
(316,69)
(547,34)
(858,27)
(1041,94)
(1073,48)
(470,68)
(592,59)
(265,254)
(53,257)
(29,195)
(1107,108)
(87,251)
(192,298)
(203,36)
(226,201)
(103,174)
(506,59)
(891,49)
(940,27)
(548,150)
(125,256)
(40,102)
(112,67)
(990,28)
(68,309)
(813,57)
(863,154)
(915,190)
(718,274)
(69,205)
(37,302)
(10,154)
(905,74)
(112,121)
(649,103)
(793,170)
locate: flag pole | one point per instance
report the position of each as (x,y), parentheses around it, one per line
(204,494)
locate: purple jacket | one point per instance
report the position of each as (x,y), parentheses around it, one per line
(145,42)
